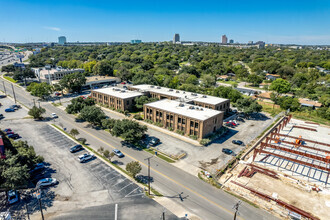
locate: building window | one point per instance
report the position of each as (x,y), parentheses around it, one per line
(179,120)
(147,110)
(157,113)
(183,121)
(191,124)
(171,117)
(191,132)
(127,102)
(160,114)
(196,125)
(167,116)
(150,111)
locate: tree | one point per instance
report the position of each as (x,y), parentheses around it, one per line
(78,104)
(254,79)
(74,132)
(40,90)
(123,73)
(140,101)
(73,82)
(130,131)
(133,168)
(8,68)
(22,74)
(103,68)
(108,123)
(208,80)
(280,86)
(92,114)
(248,105)
(36,112)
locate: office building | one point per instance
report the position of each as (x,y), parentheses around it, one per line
(205,101)
(231,41)
(190,119)
(224,39)
(53,74)
(250,42)
(116,98)
(176,39)
(61,40)
(136,41)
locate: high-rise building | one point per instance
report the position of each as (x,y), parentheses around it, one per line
(62,40)
(176,39)
(231,41)
(261,44)
(250,42)
(224,39)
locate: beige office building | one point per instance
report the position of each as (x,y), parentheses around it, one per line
(191,119)
(116,98)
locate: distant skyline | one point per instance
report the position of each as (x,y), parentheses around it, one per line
(284,22)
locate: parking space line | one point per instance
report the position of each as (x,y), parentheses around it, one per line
(116,209)
(119,182)
(129,194)
(125,186)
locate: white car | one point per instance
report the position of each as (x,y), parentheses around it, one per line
(85,157)
(47,182)
(54,115)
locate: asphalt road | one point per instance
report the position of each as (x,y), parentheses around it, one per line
(196,196)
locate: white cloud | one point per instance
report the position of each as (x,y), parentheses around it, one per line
(53,28)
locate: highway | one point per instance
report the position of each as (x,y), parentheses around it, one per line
(181,188)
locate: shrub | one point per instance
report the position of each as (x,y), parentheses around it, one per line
(170,128)
(138,117)
(106,154)
(194,137)
(205,141)
(180,132)
(159,124)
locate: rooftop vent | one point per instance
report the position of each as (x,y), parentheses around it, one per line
(152,86)
(170,90)
(177,91)
(197,108)
(184,92)
(204,96)
(202,109)
(181,104)
(191,107)
(122,91)
(158,87)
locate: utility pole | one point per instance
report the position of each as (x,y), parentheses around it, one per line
(42,214)
(4,87)
(236,206)
(163,214)
(12,87)
(148,173)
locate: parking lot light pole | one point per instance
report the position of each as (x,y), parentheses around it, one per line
(13,92)
(4,87)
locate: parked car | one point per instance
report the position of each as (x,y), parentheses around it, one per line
(47,182)
(227,151)
(7,129)
(238,142)
(1,116)
(13,136)
(15,107)
(76,148)
(9,132)
(2,96)
(9,110)
(240,119)
(85,157)
(154,141)
(57,93)
(79,120)
(53,115)
(118,153)
(37,168)
(13,197)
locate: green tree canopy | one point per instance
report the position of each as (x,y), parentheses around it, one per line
(133,168)
(40,90)
(73,82)
(92,114)
(280,86)
(36,112)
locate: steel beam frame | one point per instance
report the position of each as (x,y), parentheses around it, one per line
(306,140)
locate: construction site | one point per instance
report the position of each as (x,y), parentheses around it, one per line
(286,171)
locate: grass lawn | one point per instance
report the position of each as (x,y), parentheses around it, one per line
(10,79)
(233,83)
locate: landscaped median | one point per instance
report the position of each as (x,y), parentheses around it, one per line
(9,79)
(108,161)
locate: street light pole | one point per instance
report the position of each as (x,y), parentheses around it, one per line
(4,87)
(148,173)
(236,206)
(13,92)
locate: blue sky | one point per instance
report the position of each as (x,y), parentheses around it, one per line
(289,21)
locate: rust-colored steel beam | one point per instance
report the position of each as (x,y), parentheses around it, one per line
(296,152)
(294,160)
(303,139)
(301,127)
(297,145)
(278,201)
(273,173)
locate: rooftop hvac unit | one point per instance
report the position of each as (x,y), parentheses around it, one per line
(170,90)
(152,86)
(197,108)
(122,91)
(181,105)
(191,107)
(184,92)
(96,79)
(202,109)
(158,87)
(177,91)
(204,96)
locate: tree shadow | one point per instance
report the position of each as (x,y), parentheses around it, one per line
(230,133)
(117,162)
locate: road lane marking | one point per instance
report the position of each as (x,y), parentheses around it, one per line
(116,209)
(174,181)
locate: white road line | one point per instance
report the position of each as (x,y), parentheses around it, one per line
(125,186)
(116,208)
(131,192)
(119,182)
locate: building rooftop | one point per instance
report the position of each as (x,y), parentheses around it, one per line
(181,95)
(100,78)
(310,103)
(184,109)
(118,92)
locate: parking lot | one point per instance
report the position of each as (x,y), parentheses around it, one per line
(83,187)
(5,103)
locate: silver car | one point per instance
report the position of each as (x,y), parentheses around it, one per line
(85,157)
(47,182)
